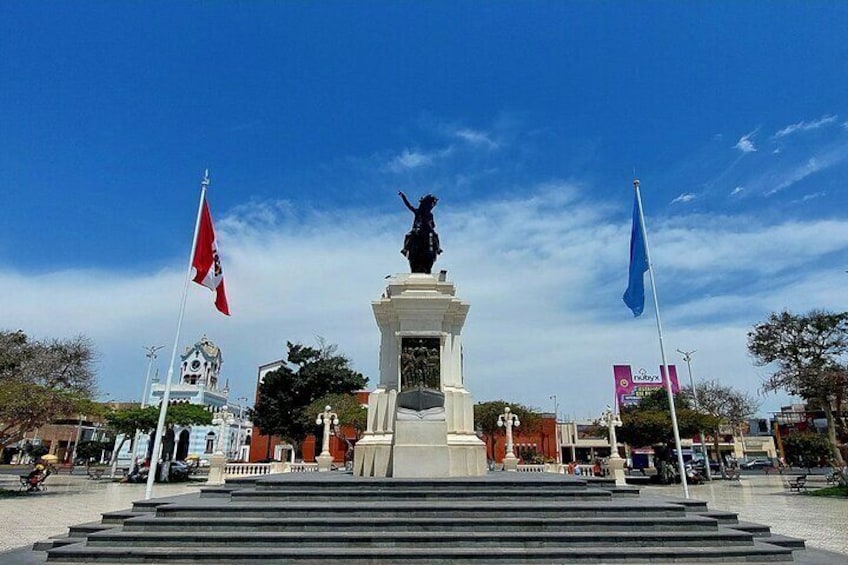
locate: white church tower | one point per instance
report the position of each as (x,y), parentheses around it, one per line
(200,369)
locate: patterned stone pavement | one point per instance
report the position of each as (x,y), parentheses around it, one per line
(822,522)
(68,500)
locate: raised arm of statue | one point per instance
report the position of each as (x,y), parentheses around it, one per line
(406,201)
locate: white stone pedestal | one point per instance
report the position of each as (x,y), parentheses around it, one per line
(616,467)
(420,306)
(217,464)
(420,446)
(325,462)
(510,463)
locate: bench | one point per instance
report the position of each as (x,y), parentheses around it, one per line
(95,474)
(798,484)
(832,478)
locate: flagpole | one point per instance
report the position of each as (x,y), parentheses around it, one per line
(166,396)
(680,466)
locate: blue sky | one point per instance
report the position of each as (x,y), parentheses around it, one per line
(527,120)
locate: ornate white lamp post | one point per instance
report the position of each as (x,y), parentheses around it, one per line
(218,461)
(328,419)
(508,420)
(612,420)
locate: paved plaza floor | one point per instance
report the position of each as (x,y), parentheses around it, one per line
(68,500)
(765,499)
(822,522)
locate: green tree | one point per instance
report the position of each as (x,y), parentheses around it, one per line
(806,449)
(35,451)
(42,380)
(486,420)
(723,406)
(310,373)
(90,450)
(127,422)
(807,351)
(350,411)
(649,422)
(184,415)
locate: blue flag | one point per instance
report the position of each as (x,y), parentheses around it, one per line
(634,296)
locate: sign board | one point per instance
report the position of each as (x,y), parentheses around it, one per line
(631,387)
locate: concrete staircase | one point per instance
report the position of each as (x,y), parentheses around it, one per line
(501,518)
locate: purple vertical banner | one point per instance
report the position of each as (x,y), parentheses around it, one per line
(624,389)
(672,371)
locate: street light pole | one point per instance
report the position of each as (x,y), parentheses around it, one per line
(556,431)
(327,419)
(687,356)
(239,441)
(151,356)
(76,442)
(508,420)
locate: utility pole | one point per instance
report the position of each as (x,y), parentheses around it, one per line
(687,356)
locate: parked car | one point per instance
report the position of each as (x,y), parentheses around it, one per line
(178,471)
(757,464)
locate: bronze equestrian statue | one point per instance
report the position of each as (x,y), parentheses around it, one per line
(421,244)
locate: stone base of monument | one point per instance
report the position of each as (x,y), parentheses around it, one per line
(217,463)
(420,445)
(420,320)
(510,463)
(616,467)
(325,462)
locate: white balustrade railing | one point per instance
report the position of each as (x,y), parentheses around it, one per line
(531,468)
(246,469)
(304,468)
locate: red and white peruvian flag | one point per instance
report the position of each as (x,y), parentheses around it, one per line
(206,262)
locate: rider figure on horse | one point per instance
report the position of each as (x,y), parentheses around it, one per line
(423,226)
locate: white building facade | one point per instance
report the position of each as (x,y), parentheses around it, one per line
(200,368)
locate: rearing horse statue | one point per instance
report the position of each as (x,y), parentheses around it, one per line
(421,244)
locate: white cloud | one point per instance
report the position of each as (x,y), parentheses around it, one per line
(799,173)
(745,144)
(475,137)
(409,160)
(812,196)
(805,126)
(543,273)
(737,190)
(683,198)
(784,176)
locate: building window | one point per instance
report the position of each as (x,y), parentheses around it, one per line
(210,442)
